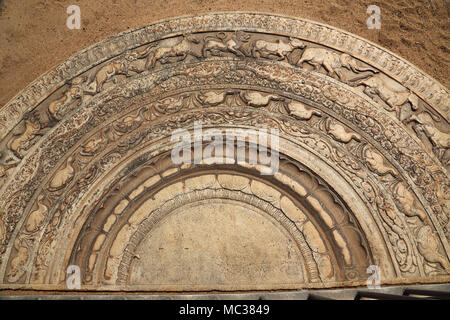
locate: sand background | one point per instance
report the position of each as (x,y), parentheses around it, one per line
(34,37)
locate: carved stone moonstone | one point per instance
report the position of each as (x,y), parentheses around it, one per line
(86,176)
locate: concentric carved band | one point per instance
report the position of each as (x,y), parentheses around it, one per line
(378,122)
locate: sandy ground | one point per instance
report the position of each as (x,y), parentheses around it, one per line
(34,37)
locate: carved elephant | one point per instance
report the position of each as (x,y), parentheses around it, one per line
(331,61)
(394,94)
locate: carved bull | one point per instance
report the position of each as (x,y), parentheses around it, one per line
(279,48)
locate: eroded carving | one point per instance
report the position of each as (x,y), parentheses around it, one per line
(439,140)
(63,176)
(218,44)
(429,247)
(392,93)
(32,128)
(181,49)
(75,92)
(301,111)
(36,217)
(339,132)
(237,78)
(122,65)
(17,268)
(278,50)
(332,62)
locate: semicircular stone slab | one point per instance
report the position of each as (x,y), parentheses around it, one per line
(211,244)
(88,175)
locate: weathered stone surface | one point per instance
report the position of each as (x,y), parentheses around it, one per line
(86,176)
(210,246)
